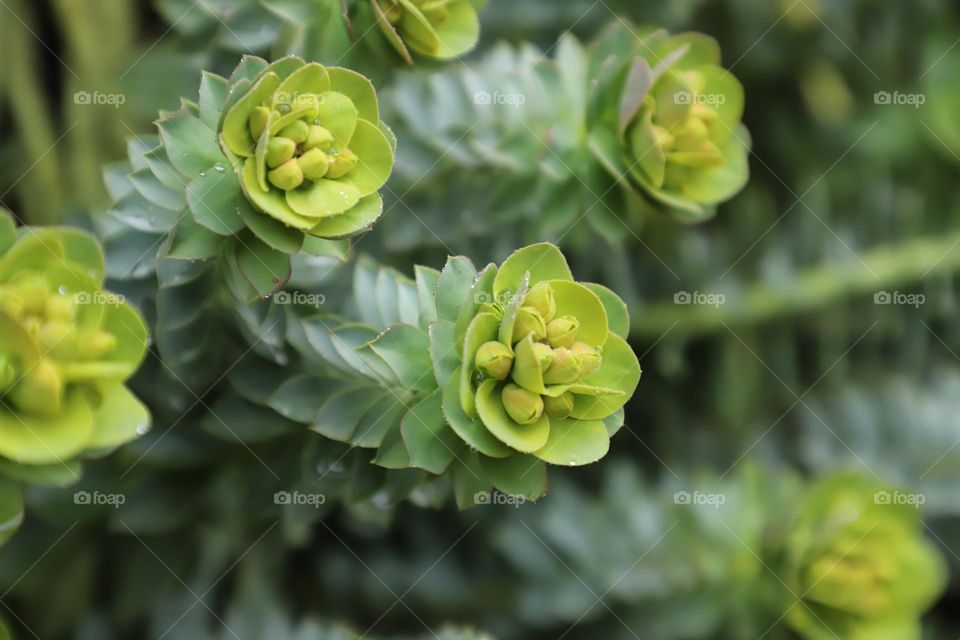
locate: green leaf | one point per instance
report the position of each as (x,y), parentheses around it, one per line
(427,280)
(429,441)
(274,233)
(56,474)
(543,261)
(443,351)
(8,230)
(518,475)
(359,89)
(213,198)
(213,93)
(119,418)
(470,430)
(469,479)
(385,414)
(265,269)
(191,145)
(453,287)
(236,129)
(190,241)
(150,187)
(375,158)
(406,350)
(360,218)
(575,442)
(340,414)
(526,438)
(618,316)
(300,397)
(35,440)
(324,198)
(11,512)
(482,329)
(619,370)
(392,453)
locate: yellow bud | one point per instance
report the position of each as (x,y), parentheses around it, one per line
(544,355)
(296,131)
(258,121)
(564,369)
(287,176)
(494,360)
(318,137)
(314,164)
(588,357)
(279,150)
(559,407)
(529,322)
(562,332)
(40,390)
(61,308)
(522,406)
(342,162)
(541,298)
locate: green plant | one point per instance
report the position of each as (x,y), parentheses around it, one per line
(68,347)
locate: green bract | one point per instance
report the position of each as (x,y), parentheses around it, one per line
(308,146)
(677,114)
(566,372)
(858,561)
(440,29)
(66,348)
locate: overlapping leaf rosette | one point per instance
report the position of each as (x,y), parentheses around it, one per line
(858,565)
(279,159)
(440,29)
(668,119)
(483,378)
(66,348)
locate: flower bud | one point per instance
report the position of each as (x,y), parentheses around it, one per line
(314,164)
(562,332)
(279,150)
(98,344)
(588,357)
(342,162)
(564,369)
(296,131)
(529,322)
(318,137)
(287,176)
(58,336)
(522,406)
(60,308)
(436,12)
(544,355)
(40,390)
(540,297)
(393,11)
(559,407)
(494,360)
(258,121)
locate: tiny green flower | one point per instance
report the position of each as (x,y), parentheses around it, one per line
(860,563)
(66,348)
(567,377)
(308,147)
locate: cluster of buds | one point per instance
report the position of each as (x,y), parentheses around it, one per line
(66,348)
(308,146)
(440,29)
(544,353)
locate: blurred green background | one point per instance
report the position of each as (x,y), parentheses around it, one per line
(820,333)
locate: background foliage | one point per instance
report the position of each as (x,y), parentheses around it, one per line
(801,371)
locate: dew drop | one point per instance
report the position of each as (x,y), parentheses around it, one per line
(276,280)
(62,290)
(142,429)
(219,168)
